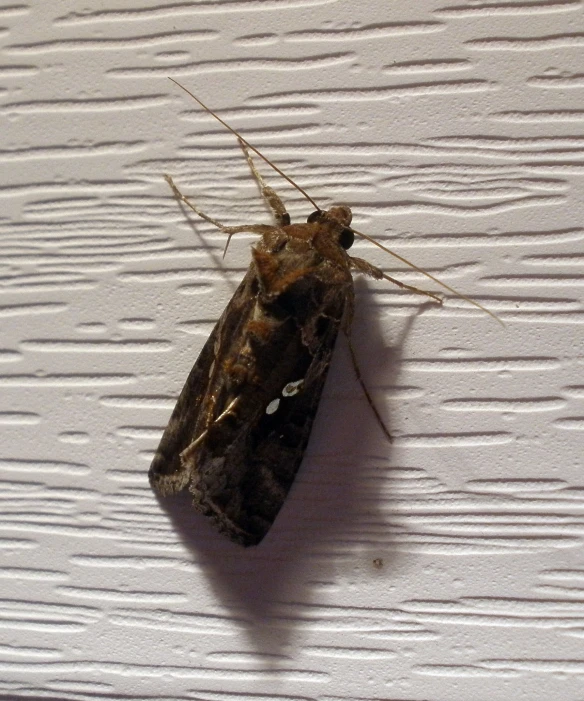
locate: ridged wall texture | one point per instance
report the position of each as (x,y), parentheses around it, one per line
(446,566)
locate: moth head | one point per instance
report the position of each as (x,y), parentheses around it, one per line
(341,215)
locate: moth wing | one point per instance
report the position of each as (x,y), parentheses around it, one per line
(243,470)
(193,412)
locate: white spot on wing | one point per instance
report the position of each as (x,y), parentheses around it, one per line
(273,406)
(292,388)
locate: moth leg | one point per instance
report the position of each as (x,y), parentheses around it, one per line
(364,388)
(271,198)
(346,326)
(229,230)
(364,267)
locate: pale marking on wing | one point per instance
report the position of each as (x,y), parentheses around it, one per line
(272,407)
(187,453)
(292,388)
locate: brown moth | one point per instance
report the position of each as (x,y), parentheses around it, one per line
(239,430)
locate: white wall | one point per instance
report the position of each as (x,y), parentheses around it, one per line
(454,130)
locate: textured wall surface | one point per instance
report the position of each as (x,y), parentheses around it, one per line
(448,566)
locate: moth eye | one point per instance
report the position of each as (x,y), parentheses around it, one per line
(285,219)
(346,238)
(314,217)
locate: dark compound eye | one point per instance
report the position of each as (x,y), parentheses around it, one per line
(346,238)
(314,217)
(285,219)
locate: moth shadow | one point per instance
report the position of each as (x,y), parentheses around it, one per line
(331,520)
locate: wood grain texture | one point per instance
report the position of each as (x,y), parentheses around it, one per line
(454,132)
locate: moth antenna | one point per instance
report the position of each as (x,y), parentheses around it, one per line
(313,203)
(428,275)
(253,148)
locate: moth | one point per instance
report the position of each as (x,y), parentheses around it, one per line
(241,424)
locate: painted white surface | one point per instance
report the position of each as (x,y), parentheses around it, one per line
(454,130)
